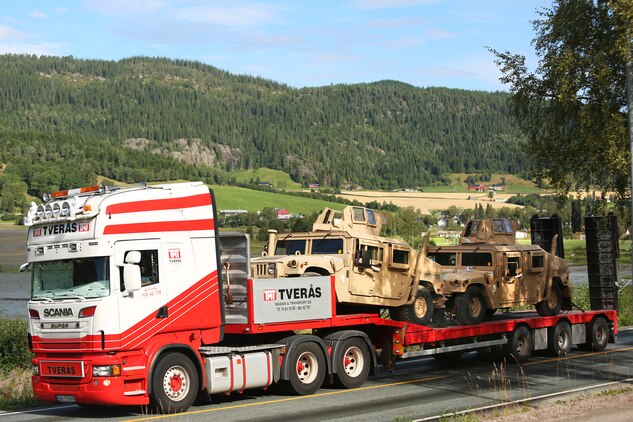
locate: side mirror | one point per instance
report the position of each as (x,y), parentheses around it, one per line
(25,267)
(132,277)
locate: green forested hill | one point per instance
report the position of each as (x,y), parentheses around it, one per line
(115,118)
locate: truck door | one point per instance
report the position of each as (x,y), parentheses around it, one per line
(144,312)
(511,290)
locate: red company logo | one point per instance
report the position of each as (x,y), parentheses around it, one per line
(174,253)
(84,227)
(270,294)
(37,232)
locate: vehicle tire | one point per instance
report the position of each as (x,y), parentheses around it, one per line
(551,305)
(420,311)
(519,346)
(353,362)
(559,339)
(470,306)
(175,384)
(310,274)
(597,336)
(306,368)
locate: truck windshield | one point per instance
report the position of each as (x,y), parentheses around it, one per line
(83,278)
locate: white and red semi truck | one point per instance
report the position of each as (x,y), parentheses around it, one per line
(137,299)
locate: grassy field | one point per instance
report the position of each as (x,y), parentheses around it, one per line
(514,184)
(234,198)
(277,178)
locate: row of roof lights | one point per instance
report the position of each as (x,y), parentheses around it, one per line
(60,209)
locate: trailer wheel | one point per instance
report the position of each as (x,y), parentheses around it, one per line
(307,368)
(353,363)
(597,335)
(519,346)
(559,339)
(420,311)
(552,304)
(470,306)
(174,384)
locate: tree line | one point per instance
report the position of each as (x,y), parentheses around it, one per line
(377,135)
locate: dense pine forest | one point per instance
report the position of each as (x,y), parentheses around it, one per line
(64,121)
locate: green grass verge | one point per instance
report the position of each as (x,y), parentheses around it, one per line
(235,198)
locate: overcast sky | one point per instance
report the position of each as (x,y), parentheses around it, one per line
(299,43)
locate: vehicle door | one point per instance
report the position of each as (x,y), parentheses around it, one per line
(143,312)
(368,269)
(511,291)
(536,274)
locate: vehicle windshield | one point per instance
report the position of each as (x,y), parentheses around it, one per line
(83,278)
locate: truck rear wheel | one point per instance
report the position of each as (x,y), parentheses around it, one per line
(559,339)
(553,302)
(470,306)
(353,362)
(307,368)
(519,346)
(420,311)
(597,336)
(174,384)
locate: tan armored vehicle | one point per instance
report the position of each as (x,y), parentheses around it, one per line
(368,269)
(488,270)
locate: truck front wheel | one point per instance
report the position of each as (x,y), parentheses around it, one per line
(420,311)
(307,368)
(470,306)
(174,384)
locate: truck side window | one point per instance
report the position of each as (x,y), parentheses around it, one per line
(149,268)
(371,217)
(290,247)
(400,256)
(538,261)
(514,266)
(443,258)
(327,246)
(476,259)
(376,253)
(359,215)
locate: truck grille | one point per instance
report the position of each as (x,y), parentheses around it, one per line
(260,270)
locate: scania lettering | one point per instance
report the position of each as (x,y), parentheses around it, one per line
(137,299)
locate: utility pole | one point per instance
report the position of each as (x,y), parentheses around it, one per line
(629,97)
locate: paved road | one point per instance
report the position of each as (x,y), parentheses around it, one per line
(419,389)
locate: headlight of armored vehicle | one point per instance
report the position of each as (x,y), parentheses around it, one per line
(271,269)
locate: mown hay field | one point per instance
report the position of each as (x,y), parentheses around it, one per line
(426,202)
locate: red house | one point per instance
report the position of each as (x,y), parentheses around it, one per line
(478,188)
(283,214)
